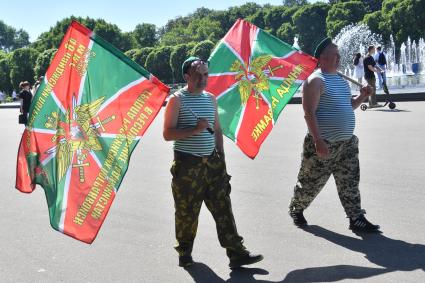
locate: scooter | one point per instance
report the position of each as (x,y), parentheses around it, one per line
(388,102)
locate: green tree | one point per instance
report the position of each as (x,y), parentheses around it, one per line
(258,18)
(130,53)
(178,55)
(5,83)
(343,14)
(129,41)
(6,36)
(172,24)
(202,13)
(158,64)
(291,3)
(376,23)
(274,18)
(197,30)
(243,11)
(406,19)
(142,54)
(381,24)
(112,34)
(21,39)
(11,39)
(53,37)
(277,16)
(373,5)
(203,49)
(43,61)
(286,32)
(177,35)
(186,27)
(205,29)
(3,55)
(109,32)
(310,25)
(145,35)
(21,65)
(228,18)
(388,5)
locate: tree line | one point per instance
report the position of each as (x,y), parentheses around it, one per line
(161,50)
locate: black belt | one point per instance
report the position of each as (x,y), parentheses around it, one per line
(187,156)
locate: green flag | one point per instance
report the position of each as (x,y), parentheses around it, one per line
(253,76)
(85,120)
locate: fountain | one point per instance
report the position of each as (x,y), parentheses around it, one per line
(408,70)
(392,67)
(421,53)
(403,58)
(296,45)
(353,39)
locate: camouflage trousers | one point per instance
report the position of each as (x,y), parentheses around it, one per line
(197,180)
(342,163)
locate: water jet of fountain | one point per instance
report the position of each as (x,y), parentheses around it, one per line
(352,39)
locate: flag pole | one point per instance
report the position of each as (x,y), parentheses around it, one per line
(350,79)
(209,129)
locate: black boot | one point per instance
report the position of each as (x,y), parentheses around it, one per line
(361,224)
(246,259)
(185,261)
(298,217)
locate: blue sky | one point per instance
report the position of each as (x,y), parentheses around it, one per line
(37,17)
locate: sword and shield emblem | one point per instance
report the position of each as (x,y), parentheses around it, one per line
(254,77)
(76,134)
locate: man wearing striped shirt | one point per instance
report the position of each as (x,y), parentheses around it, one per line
(199,169)
(330,148)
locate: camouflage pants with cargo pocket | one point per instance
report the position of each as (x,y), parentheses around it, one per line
(197,180)
(342,163)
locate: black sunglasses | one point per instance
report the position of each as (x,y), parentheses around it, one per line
(195,63)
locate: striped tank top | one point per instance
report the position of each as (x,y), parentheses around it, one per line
(335,115)
(202,105)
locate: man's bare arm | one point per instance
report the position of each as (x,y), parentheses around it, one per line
(312,90)
(217,131)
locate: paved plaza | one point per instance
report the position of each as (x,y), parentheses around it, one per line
(136,241)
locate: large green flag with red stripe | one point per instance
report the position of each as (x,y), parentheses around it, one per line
(253,76)
(85,121)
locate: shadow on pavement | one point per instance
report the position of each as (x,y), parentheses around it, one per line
(390,254)
(331,273)
(202,273)
(390,110)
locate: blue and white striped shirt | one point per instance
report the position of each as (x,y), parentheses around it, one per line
(203,106)
(335,115)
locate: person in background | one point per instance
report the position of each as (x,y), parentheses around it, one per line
(381,60)
(358,67)
(25,96)
(370,68)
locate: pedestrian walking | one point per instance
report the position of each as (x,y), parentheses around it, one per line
(330,147)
